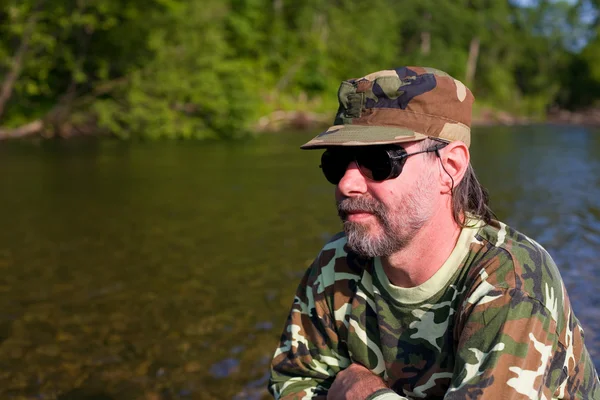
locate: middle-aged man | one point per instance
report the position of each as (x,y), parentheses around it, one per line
(424,295)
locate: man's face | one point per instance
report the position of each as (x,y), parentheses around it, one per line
(381,218)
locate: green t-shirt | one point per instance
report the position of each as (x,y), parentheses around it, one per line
(493,322)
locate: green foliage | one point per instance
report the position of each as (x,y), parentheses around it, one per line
(213,68)
(581,83)
(191,88)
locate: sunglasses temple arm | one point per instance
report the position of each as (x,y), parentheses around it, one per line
(435,150)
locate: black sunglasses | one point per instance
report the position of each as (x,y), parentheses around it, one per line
(376,163)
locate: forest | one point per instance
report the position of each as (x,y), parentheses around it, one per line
(225,69)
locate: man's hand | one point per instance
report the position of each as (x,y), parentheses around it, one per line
(354,383)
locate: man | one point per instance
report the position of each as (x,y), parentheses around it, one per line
(424,295)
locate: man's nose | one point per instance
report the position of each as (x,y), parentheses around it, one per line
(353,182)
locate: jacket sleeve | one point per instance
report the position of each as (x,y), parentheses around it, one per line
(508,348)
(308,356)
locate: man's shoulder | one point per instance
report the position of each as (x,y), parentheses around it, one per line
(336,255)
(335,262)
(516,245)
(335,249)
(516,262)
(337,241)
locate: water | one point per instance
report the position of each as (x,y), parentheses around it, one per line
(166,270)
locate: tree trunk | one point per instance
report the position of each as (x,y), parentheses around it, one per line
(320,26)
(426,35)
(472,61)
(289,74)
(425,43)
(26,130)
(8,84)
(56,121)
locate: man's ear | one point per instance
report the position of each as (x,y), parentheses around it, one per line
(455,160)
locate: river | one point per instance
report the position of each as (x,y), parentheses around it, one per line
(166,270)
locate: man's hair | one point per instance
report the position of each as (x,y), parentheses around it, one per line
(469,197)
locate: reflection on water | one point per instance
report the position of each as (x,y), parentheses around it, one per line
(166,270)
(224,368)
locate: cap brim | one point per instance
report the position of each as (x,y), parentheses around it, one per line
(362,135)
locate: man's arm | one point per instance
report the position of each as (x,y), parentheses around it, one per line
(309,355)
(358,383)
(510,347)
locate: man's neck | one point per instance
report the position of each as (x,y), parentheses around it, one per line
(425,254)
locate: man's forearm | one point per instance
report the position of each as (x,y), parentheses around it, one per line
(358,383)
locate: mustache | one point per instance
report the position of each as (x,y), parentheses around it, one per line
(353,204)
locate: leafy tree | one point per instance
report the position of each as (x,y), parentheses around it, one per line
(193,87)
(212,69)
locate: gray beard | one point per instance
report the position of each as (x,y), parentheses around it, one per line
(397,231)
(362,242)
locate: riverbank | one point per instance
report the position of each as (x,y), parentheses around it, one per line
(587,117)
(280,121)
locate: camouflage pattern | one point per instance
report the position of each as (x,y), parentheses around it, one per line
(400,105)
(494,322)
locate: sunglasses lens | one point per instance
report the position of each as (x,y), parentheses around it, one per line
(375,164)
(334,165)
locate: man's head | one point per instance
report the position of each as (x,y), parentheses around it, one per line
(397,152)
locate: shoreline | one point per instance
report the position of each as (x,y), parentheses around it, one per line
(280,121)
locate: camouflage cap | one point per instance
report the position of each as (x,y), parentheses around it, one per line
(400,105)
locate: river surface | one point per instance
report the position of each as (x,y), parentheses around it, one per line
(166,270)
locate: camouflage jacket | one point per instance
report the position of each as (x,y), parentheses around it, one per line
(494,322)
